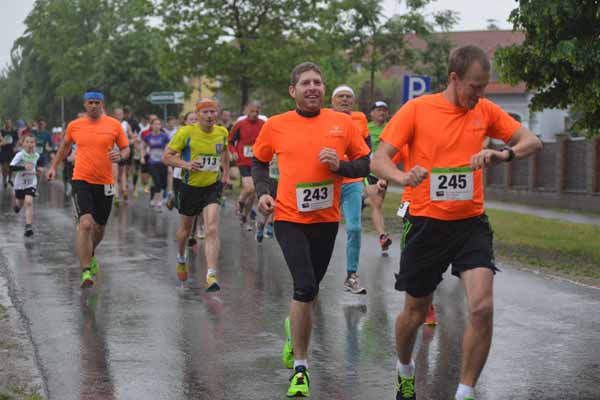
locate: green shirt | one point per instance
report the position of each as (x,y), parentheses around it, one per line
(375,132)
(192,142)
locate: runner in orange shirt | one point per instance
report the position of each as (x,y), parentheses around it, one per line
(93,183)
(309,144)
(342,100)
(447,224)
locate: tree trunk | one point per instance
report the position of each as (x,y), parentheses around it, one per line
(244,92)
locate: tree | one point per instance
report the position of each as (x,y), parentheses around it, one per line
(70,45)
(378,41)
(246,44)
(559,58)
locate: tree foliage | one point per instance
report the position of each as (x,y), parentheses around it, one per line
(559,58)
(69,45)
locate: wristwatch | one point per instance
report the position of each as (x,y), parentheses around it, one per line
(511,153)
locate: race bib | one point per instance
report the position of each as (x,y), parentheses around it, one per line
(449,184)
(8,139)
(314,196)
(28,179)
(403,209)
(274,168)
(109,190)
(156,155)
(210,163)
(248,152)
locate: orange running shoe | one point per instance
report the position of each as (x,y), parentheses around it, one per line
(431,319)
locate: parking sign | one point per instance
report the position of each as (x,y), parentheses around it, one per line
(415,86)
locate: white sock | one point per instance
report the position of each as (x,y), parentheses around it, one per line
(407,370)
(303,363)
(180,259)
(211,271)
(464,392)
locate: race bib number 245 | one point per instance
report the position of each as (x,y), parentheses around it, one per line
(450,184)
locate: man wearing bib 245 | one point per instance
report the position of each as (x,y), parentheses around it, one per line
(93,184)
(447,224)
(310,144)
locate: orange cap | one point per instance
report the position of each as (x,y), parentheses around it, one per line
(206,103)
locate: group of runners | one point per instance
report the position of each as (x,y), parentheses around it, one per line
(300,171)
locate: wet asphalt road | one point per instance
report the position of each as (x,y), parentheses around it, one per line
(136,335)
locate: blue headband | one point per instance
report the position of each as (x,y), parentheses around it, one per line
(93,96)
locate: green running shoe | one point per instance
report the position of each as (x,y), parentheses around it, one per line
(405,388)
(94,267)
(299,383)
(87,280)
(287,354)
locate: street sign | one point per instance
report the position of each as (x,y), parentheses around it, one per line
(166,98)
(415,86)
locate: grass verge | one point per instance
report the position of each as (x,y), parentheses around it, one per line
(564,248)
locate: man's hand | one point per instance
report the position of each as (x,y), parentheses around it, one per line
(415,176)
(51,174)
(196,165)
(114,156)
(381,185)
(488,157)
(266,204)
(329,156)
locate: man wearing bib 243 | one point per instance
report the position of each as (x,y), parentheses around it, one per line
(93,184)
(310,144)
(447,224)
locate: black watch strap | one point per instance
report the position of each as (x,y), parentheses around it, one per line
(511,153)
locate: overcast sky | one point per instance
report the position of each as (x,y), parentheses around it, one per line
(473,16)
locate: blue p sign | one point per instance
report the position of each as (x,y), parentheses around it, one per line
(415,86)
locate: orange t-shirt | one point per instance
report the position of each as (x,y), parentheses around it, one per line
(360,119)
(94,140)
(442,138)
(303,179)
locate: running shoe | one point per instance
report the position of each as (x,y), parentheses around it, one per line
(248,227)
(385,242)
(28,230)
(94,267)
(299,383)
(431,320)
(287,354)
(405,388)
(270,234)
(87,280)
(170,201)
(260,234)
(182,271)
(243,220)
(352,285)
(212,285)
(16,209)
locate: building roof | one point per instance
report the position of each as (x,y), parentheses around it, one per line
(489,41)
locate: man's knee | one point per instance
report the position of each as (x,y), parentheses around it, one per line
(211,230)
(306,293)
(482,312)
(86,223)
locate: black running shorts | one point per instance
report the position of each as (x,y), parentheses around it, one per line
(193,199)
(307,249)
(431,245)
(90,199)
(21,193)
(245,171)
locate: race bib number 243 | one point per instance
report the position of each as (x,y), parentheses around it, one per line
(314,196)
